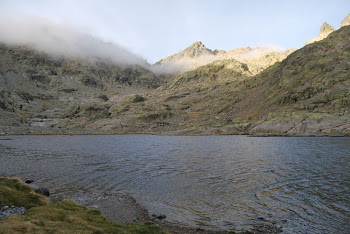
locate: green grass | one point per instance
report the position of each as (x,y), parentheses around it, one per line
(14,192)
(61,217)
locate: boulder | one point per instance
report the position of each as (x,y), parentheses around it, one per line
(43,191)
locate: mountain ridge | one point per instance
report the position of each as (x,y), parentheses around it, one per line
(306,93)
(197,55)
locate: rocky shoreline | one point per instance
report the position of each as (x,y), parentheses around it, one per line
(210,132)
(279,125)
(123,209)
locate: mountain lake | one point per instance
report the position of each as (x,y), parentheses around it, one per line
(301,184)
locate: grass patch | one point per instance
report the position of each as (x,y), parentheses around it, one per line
(14,192)
(60,217)
(67,217)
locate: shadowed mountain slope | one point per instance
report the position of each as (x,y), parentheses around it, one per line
(38,90)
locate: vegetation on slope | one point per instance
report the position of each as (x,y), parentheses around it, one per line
(315,78)
(37,91)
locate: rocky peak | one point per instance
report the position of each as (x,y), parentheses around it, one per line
(197,49)
(346,21)
(326,29)
(197,44)
(192,57)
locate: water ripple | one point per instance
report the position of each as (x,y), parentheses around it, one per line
(230,182)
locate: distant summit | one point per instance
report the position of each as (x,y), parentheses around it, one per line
(325,30)
(197,55)
(257,59)
(195,50)
(192,57)
(346,21)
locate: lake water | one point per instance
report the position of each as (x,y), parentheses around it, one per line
(228,182)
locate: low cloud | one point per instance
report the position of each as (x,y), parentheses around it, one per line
(184,64)
(247,53)
(60,39)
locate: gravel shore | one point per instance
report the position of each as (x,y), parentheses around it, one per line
(123,209)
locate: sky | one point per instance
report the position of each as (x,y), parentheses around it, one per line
(155,29)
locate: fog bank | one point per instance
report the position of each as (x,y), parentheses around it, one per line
(61,39)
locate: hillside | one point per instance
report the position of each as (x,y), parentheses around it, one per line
(305,94)
(38,91)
